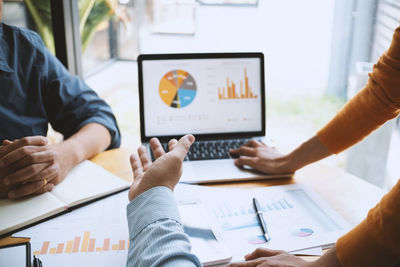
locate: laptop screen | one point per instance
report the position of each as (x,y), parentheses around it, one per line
(202,96)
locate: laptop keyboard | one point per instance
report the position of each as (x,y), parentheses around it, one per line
(205,150)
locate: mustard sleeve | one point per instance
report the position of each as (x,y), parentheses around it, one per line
(376,103)
(376,240)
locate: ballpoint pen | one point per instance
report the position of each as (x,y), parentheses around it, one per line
(261,220)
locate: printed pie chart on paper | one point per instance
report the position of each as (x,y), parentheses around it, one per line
(177,89)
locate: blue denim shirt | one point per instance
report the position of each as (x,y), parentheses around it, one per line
(36,89)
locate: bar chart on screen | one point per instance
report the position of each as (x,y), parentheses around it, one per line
(234,91)
(82,244)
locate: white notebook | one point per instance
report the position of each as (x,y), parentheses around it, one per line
(84,183)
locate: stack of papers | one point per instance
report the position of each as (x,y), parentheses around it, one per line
(97,234)
(296,216)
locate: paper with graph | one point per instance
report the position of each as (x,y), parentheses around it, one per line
(97,234)
(296,216)
(94,235)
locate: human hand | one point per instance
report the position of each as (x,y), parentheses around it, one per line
(263,158)
(166,170)
(263,257)
(31,166)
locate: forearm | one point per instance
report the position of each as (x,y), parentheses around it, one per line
(308,152)
(90,140)
(156,235)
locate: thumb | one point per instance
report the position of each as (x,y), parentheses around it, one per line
(182,147)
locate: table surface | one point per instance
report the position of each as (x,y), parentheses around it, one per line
(348,195)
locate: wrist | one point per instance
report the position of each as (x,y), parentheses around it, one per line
(287,164)
(70,153)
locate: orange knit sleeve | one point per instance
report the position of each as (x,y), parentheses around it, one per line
(377,103)
(375,241)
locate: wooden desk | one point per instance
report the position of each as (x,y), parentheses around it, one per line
(348,195)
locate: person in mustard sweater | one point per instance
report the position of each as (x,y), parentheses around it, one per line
(375,241)
(157,237)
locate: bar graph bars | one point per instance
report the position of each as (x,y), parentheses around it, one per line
(230,91)
(88,245)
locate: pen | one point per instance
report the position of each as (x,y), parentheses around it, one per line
(260,218)
(36,262)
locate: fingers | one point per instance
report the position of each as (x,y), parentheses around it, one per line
(253,143)
(172,143)
(19,154)
(49,173)
(27,189)
(26,141)
(244,150)
(182,146)
(244,160)
(144,158)
(24,174)
(6,142)
(261,252)
(156,147)
(136,166)
(47,188)
(244,264)
(34,158)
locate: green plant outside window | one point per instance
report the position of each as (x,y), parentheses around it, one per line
(91,14)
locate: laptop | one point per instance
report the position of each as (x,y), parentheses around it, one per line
(217,97)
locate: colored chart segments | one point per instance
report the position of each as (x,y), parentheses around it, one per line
(303,232)
(231,90)
(82,244)
(257,240)
(177,89)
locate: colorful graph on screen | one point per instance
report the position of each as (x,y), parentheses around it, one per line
(230,91)
(82,244)
(177,89)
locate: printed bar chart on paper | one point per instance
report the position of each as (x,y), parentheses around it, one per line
(93,235)
(231,91)
(296,217)
(82,244)
(177,89)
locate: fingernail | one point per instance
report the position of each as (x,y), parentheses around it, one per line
(6,181)
(11,194)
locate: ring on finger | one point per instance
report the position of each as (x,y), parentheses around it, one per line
(45,181)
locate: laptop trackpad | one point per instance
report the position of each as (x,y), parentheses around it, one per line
(209,170)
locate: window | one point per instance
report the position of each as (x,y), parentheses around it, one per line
(312,48)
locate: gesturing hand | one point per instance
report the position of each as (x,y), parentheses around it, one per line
(164,171)
(261,157)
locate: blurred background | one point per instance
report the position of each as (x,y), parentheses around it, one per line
(318,55)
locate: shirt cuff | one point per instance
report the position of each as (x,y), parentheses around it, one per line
(109,125)
(152,205)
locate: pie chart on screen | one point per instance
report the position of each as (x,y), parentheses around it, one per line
(177,89)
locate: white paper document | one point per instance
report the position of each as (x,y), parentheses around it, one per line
(93,235)
(297,218)
(97,234)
